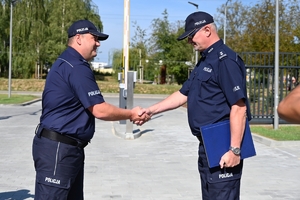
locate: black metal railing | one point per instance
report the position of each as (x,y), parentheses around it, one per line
(260,81)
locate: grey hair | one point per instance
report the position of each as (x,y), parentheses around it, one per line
(214,26)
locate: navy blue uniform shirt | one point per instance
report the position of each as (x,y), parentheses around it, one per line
(216,83)
(70,89)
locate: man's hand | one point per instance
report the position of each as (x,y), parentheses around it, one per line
(229,159)
(139,116)
(141,113)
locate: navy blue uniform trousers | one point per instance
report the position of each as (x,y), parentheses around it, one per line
(59,170)
(217,183)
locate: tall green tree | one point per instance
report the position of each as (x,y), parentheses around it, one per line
(165,47)
(139,52)
(252,28)
(237,16)
(4,36)
(62,13)
(29,37)
(40,32)
(117,61)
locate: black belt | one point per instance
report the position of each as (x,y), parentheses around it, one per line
(52,135)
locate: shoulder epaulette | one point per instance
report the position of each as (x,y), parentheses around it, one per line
(222,55)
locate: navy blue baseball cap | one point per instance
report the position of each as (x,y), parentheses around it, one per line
(85,26)
(195,21)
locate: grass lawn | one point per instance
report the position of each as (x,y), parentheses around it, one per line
(110,86)
(283,133)
(16,99)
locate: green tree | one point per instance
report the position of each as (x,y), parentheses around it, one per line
(236,23)
(253,28)
(4,37)
(29,36)
(40,32)
(117,61)
(62,13)
(166,47)
(139,52)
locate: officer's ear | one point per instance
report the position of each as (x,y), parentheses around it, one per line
(207,30)
(78,38)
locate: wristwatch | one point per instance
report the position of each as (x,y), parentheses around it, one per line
(235,150)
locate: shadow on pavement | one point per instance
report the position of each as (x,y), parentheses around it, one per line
(5,117)
(16,195)
(146,131)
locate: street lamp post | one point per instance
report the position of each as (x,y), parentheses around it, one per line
(225,12)
(10,47)
(159,73)
(146,70)
(126,35)
(276,71)
(141,67)
(196,5)
(196,52)
(10,50)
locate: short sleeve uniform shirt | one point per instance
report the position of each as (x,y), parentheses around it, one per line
(70,89)
(216,83)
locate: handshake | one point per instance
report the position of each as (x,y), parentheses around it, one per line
(140,115)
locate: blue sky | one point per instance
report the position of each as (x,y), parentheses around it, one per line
(143,12)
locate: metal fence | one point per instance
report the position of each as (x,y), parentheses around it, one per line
(260,81)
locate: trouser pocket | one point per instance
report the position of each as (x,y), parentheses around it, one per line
(217,183)
(59,169)
(217,174)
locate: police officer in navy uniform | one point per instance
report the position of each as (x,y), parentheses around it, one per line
(70,103)
(215,91)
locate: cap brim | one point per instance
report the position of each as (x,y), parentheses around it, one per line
(101,36)
(185,34)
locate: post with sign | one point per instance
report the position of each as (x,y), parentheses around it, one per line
(126,102)
(122,95)
(129,77)
(130,86)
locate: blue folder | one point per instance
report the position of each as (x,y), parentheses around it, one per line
(216,141)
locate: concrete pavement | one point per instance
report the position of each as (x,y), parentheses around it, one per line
(161,164)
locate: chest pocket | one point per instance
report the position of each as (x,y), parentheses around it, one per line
(204,76)
(205,84)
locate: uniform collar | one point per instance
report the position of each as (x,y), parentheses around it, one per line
(75,53)
(210,49)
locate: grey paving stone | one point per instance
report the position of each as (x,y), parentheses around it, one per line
(159,165)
